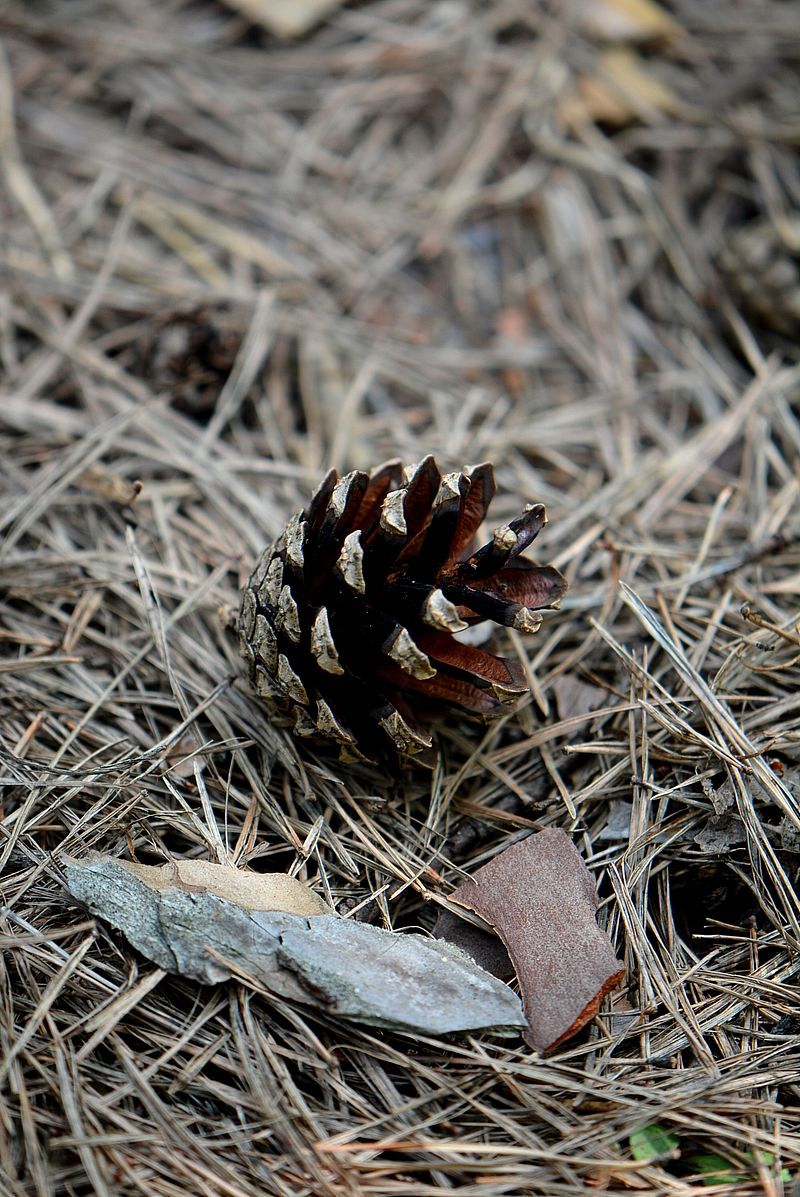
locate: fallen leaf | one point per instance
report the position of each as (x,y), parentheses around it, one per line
(618,822)
(623,89)
(183,755)
(187,921)
(104,482)
(720,834)
(788,834)
(627,21)
(540,899)
(251,890)
(653,1142)
(285,18)
(714,1169)
(722,797)
(575,697)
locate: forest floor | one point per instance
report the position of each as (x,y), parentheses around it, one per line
(561,238)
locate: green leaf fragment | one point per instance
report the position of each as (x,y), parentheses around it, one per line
(716,1170)
(652,1142)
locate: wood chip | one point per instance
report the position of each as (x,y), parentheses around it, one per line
(540,899)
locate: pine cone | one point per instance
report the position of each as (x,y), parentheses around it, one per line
(348,618)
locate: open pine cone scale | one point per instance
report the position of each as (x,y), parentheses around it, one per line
(348,618)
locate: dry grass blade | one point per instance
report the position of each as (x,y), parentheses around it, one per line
(231,262)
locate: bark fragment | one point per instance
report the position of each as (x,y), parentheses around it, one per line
(540,898)
(355,971)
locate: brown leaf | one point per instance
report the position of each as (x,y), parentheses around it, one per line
(104,482)
(621,90)
(540,899)
(252,891)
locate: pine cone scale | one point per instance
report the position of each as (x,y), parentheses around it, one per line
(323,646)
(439,612)
(474,509)
(474,664)
(449,687)
(421,490)
(385,480)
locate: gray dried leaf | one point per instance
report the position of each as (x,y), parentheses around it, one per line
(618,822)
(719,835)
(349,969)
(788,835)
(721,797)
(575,697)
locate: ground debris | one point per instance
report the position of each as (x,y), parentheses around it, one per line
(285,18)
(202,921)
(628,21)
(540,899)
(232,262)
(719,835)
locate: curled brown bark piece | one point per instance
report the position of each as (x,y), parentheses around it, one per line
(540,898)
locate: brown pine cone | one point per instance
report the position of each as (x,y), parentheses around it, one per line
(348,618)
